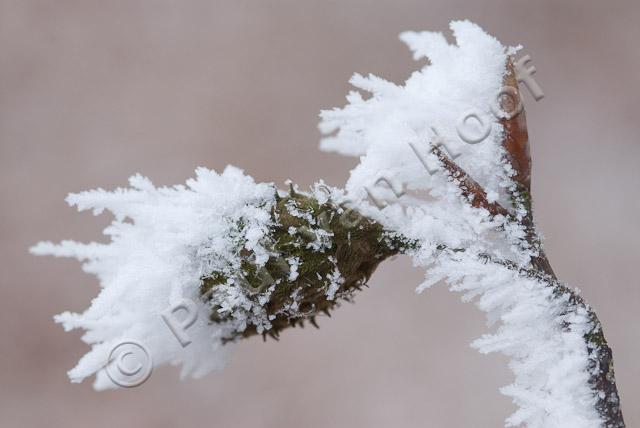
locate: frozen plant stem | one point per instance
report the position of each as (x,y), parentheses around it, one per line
(516,144)
(255,261)
(357,251)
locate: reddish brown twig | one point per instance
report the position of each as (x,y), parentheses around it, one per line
(516,145)
(471,190)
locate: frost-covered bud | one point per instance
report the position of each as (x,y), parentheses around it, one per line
(245,258)
(313,259)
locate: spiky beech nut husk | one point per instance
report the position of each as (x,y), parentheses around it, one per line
(320,253)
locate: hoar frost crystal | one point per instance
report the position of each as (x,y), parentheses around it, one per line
(256,260)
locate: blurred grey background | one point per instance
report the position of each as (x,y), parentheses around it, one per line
(92,92)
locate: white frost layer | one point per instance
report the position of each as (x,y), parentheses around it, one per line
(549,362)
(461,79)
(163,240)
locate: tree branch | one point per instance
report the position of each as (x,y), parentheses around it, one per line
(355,252)
(516,145)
